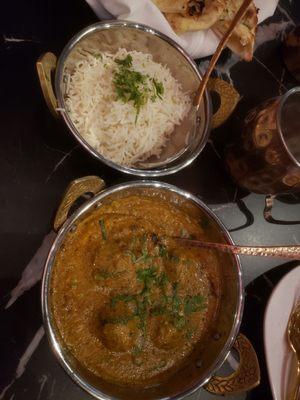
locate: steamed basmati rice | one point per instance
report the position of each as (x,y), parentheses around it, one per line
(109,125)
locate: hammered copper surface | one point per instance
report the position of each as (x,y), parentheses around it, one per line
(260,161)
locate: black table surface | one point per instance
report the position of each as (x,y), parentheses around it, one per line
(39,157)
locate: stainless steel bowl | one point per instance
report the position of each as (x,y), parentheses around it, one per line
(206,360)
(189,138)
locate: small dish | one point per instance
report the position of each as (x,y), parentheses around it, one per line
(279,356)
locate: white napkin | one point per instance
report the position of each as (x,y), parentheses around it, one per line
(197,44)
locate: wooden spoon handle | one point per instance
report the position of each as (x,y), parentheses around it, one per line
(239,15)
(288,252)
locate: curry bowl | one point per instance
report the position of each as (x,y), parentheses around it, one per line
(187,139)
(203,359)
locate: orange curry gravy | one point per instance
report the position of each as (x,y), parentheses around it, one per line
(130,303)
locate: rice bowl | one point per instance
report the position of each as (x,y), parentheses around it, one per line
(111,125)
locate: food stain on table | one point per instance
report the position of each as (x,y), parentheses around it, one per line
(129,302)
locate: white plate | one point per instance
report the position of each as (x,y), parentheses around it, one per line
(278,353)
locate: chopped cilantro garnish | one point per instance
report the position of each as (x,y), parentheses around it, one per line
(159,88)
(158,310)
(133,242)
(103,229)
(184,234)
(160,365)
(157,296)
(137,361)
(144,255)
(131,85)
(193,304)
(162,280)
(147,276)
(174,258)
(132,255)
(176,302)
(189,333)
(100,274)
(136,351)
(98,56)
(179,321)
(126,62)
(122,297)
(163,252)
(142,311)
(122,319)
(74,283)
(204,222)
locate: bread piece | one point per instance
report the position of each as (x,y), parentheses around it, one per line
(172,6)
(199,16)
(243,37)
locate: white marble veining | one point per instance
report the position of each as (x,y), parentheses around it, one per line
(60,162)
(25,358)
(11,39)
(43,379)
(284,12)
(221,207)
(29,351)
(52,389)
(33,271)
(295,239)
(211,143)
(273,30)
(265,67)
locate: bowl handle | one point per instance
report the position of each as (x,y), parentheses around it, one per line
(77,188)
(269,203)
(246,377)
(45,65)
(229,98)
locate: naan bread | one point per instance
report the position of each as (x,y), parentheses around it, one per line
(172,6)
(199,15)
(243,37)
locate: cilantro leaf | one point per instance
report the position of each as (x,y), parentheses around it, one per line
(131,85)
(159,88)
(103,229)
(193,304)
(127,298)
(126,62)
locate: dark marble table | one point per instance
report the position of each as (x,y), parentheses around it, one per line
(38,158)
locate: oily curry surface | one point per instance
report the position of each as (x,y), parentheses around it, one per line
(129,302)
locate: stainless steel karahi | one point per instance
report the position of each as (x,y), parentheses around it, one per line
(188,139)
(202,365)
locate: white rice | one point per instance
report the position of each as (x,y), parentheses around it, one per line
(108,124)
